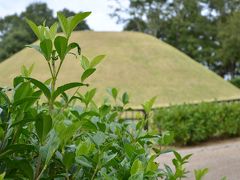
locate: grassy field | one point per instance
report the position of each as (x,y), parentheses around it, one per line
(136,63)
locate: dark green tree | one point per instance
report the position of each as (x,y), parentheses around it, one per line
(136,24)
(13,36)
(229,52)
(15,33)
(191,26)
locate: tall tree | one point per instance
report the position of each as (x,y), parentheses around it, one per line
(229,52)
(15,33)
(191,26)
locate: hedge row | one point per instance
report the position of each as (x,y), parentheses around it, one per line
(192,124)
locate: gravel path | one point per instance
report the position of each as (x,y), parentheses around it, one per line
(221,158)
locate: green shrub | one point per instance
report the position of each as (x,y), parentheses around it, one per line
(196,123)
(46,133)
(236,81)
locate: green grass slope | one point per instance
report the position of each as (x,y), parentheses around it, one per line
(137,63)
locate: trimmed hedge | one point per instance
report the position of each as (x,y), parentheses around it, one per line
(192,124)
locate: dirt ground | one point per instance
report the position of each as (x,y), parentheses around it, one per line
(221,158)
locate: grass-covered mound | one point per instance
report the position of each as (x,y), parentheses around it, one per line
(192,124)
(137,63)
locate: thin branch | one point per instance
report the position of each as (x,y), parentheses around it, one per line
(50,69)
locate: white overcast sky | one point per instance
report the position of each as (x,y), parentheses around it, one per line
(98,21)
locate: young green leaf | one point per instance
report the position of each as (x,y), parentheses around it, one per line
(84,148)
(25,100)
(69,158)
(108,157)
(125,98)
(16,148)
(23,90)
(83,162)
(76,20)
(30,70)
(60,44)
(27,169)
(4,97)
(96,61)
(17,80)
(85,62)
(41,86)
(200,173)
(72,46)
(113,92)
(49,148)
(24,71)
(36,47)
(43,126)
(148,105)
(151,165)
(46,48)
(104,110)
(137,167)
(66,87)
(34,28)
(2,176)
(99,138)
(53,30)
(63,23)
(177,156)
(89,95)
(87,73)
(48,81)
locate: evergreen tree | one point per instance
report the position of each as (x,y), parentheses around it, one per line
(15,33)
(194,27)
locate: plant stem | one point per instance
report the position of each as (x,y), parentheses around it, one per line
(50,70)
(53,84)
(66,105)
(96,169)
(38,167)
(59,67)
(67,174)
(95,172)
(40,174)
(144,121)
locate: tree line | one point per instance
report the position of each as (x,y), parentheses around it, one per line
(15,33)
(206,30)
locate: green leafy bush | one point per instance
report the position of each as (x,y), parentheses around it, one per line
(47,133)
(235,81)
(196,123)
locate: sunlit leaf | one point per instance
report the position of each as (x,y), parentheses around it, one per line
(34,28)
(77,19)
(60,44)
(96,61)
(43,125)
(46,48)
(87,73)
(85,62)
(66,87)
(63,23)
